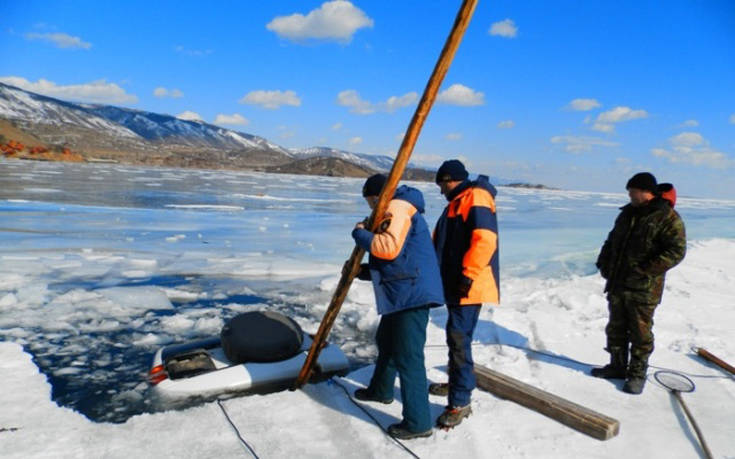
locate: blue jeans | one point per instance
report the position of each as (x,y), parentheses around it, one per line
(401,338)
(460,328)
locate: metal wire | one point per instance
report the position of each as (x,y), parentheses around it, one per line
(359,405)
(578,362)
(242,440)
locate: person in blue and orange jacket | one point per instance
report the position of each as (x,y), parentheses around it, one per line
(466,243)
(405,275)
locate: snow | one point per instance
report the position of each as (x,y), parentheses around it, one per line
(90,286)
(21,105)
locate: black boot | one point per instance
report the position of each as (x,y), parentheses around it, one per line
(365,395)
(636,375)
(617,368)
(634,385)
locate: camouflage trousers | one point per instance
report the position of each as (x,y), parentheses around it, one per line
(631,322)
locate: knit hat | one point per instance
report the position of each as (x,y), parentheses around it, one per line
(643,181)
(451,170)
(373,185)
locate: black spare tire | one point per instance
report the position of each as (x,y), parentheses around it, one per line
(261,336)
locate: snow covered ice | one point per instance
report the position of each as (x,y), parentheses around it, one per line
(102,264)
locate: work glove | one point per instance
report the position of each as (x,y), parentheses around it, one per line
(364,272)
(363,224)
(465,284)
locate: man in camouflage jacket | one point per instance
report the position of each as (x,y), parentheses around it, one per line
(647,240)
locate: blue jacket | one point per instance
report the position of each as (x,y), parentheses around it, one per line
(403,264)
(466,241)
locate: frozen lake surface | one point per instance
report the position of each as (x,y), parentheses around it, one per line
(102,264)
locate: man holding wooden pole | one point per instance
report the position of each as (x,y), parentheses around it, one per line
(405,275)
(466,243)
(404,153)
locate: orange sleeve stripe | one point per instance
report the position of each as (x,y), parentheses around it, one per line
(483,245)
(475,197)
(388,243)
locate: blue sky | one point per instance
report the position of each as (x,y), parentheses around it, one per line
(577,95)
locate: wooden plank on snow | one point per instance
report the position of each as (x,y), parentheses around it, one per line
(576,416)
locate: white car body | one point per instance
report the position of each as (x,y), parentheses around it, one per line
(228,377)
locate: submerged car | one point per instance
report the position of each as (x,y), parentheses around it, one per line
(258,351)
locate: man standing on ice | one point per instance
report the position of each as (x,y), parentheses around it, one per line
(466,243)
(405,275)
(647,240)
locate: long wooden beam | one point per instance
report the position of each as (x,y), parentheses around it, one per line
(702,352)
(576,416)
(404,154)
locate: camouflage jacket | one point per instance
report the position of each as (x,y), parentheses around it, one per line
(644,243)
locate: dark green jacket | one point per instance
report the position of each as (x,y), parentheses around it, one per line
(644,243)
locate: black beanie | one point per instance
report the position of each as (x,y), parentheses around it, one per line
(643,181)
(451,170)
(373,185)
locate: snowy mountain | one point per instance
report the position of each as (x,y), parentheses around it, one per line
(43,115)
(160,127)
(29,108)
(380,163)
(136,136)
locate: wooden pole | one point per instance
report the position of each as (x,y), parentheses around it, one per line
(404,154)
(705,448)
(577,417)
(712,358)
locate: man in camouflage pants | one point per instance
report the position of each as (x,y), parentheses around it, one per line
(647,240)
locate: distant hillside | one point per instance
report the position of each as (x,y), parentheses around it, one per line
(381,163)
(334,167)
(532,186)
(109,133)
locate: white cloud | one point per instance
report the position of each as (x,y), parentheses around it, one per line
(162,92)
(188,115)
(507,124)
(428,160)
(619,114)
(336,20)
(458,94)
(732,118)
(351,98)
(693,148)
(603,127)
(454,136)
(234,119)
(505,28)
(355,141)
(193,52)
(399,137)
(336,126)
(574,144)
(395,102)
(606,121)
(687,139)
(99,91)
(583,105)
(689,123)
(60,40)
(271,99)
